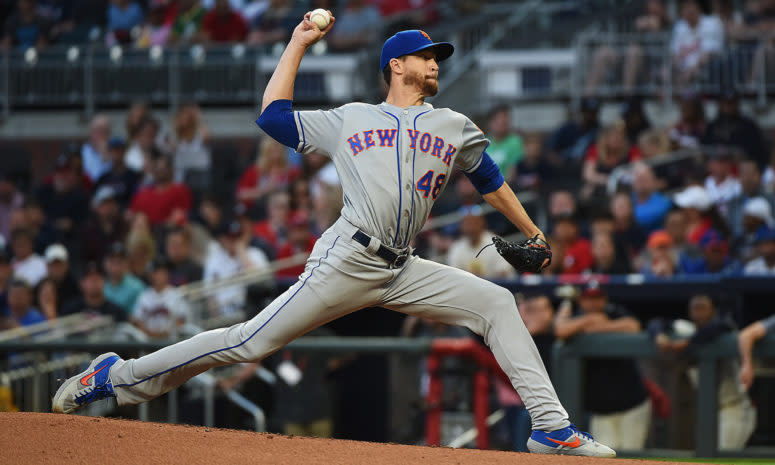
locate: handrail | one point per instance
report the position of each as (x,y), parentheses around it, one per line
(306,344)
(67,361)
(89,75)
(462,348)
(620,172)
(568,373)
(568,358)
(57,327)
(441,221)
(463,64)
(199,289)
(473,433)
(732,68)
(254,410)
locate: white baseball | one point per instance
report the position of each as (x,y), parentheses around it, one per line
(320,17)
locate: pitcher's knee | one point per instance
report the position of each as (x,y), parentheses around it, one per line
(504,299)
(258,349)
(501,301)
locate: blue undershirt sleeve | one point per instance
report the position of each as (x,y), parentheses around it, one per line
(486,177)
(277,121)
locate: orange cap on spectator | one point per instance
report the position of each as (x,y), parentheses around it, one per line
(659,239)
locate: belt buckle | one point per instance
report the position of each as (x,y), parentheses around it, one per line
(399,261)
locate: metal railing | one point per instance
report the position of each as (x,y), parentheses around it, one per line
(58,328)
(31,386)
(619,64)
(92,76)
(568,372)
(623,174)
(569,376)
(481,38)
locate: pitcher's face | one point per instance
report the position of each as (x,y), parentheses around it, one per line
(422,72)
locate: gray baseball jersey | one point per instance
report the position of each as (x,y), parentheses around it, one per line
(393,164)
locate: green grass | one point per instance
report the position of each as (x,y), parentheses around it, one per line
(730,461)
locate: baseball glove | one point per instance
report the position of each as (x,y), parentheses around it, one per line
(525,256)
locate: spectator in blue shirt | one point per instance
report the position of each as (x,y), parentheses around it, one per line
(94,153)
(571,140)
(20,311)
(715,257)
(26,28)
(122,287)
(650,205)
(123,16)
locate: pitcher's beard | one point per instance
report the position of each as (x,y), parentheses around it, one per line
(428,87)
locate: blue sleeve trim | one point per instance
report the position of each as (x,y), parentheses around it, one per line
(303,136)
(486,177)
(277,121)
(479,161)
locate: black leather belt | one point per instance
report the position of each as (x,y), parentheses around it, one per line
(394,260)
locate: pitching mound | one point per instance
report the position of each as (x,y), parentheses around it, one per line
(40,438)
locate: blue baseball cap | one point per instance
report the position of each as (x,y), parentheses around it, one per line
(407,42)
(764,234)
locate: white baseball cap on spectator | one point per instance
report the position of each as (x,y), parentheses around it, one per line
(759,208)
(103,193)
(56,252)
(693,197)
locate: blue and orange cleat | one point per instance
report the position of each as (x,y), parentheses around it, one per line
(567,441)
(86,387)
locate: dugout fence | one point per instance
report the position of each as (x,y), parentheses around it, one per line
(568,373)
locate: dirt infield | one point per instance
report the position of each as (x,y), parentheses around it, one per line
(39,438)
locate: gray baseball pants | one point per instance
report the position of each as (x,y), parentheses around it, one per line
(342,276)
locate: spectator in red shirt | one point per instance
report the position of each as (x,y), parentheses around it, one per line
(572,253)
(222,24)
(611,150)
(274,230)
(270,173)
(276,22)
(163,202)
(696,202)
(300,240)
(407,14)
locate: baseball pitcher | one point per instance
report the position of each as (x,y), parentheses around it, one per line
(394,160)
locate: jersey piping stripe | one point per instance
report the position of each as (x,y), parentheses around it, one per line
(481,157)
(398,164)
(320,261)
(414,155)
(303,137)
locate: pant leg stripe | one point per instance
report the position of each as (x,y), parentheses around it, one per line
(320,261)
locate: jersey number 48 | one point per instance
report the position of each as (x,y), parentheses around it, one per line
(427,186)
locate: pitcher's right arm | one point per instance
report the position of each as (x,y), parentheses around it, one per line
(276,117)
(280,86)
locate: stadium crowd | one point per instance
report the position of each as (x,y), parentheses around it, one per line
(146,23)
(128,215)
(112,205)
(730,41)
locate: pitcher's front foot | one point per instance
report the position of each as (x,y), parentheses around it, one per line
(86,387)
